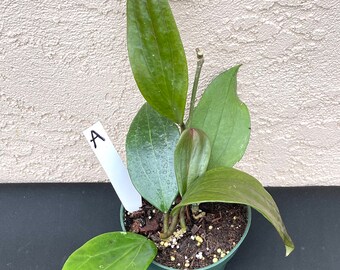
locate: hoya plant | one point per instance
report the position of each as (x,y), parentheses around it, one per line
(170,156)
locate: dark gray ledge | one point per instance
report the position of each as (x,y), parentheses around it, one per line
(41,224)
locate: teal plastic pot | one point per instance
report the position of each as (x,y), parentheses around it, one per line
(220,265)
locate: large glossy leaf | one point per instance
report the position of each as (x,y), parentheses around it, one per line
(224,118)
(233,186)
(191,157)
(157,56)
(113,251)
(150,146)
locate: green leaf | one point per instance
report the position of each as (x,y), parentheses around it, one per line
(113,251)
(191,157)
(225,119)
(157,56)
(150,146)
(229,185)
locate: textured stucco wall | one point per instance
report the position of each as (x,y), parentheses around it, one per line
(63,66)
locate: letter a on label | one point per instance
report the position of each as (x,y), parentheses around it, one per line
(94,136)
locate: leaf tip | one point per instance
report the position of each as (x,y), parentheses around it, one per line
(237,67)
(289,249)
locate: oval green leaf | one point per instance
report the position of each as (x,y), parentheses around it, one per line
(157,56)
(150,146)
(229,185)
(113,251)
(191,157)
(224,118)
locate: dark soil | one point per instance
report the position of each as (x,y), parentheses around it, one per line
(207,239)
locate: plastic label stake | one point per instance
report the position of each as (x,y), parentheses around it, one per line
(113,166)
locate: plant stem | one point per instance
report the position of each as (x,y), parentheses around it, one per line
(165,222)
(195,208)
(182,219)
(171,229)
(200,61)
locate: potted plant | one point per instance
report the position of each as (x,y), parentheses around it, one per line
(178,165)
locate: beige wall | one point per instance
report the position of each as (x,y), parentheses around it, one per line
(64,66)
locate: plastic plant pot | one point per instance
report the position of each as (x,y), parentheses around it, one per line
(220,265)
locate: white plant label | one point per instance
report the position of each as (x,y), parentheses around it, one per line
(113,166)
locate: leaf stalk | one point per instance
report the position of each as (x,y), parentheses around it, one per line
(182,219)
(165,223)
(171,229)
